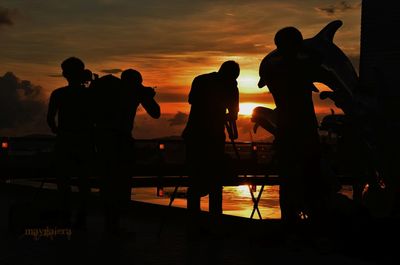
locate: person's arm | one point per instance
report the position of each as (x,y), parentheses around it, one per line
(233,103)
(52,112)
(149,104)
(194,93)
(233,110)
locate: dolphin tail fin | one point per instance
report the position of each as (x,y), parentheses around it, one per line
(328,32)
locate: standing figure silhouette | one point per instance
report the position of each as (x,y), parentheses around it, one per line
(107,98)
(302,191)
(214,100)
(115,102)
(69,118)
(134,94)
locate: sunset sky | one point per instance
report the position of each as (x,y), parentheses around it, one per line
(169,42)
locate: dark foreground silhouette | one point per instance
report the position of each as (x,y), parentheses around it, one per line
(94,135)
(318,59)
(74,148)
(211,96)
(303,190)
(115,102)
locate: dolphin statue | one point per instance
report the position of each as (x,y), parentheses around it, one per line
(334,70)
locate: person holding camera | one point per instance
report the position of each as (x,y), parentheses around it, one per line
(134,94)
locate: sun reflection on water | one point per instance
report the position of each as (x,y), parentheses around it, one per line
(236,200)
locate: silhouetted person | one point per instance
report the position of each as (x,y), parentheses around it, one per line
(211,96)
(134,94)
(297,139)
(107,112)
(69,118)
(115,102)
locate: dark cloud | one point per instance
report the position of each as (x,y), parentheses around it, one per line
(171,97)
(111,71)
(130,28)
(148,128)
(182,96)
(262,98)
(55,75)
(180,118)
(339,7)
(328,10)
(6,16)
(21,107)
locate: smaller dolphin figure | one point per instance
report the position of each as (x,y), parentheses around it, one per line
(264,117)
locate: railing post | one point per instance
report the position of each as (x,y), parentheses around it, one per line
(4,146)
(161,160)
(254,152)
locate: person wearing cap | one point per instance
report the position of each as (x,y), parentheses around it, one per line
(135,94)
(127,94)
(214,100)
(297,140)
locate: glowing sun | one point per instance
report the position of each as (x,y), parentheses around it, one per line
(247,108)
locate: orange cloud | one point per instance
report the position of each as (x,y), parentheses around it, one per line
(169,42)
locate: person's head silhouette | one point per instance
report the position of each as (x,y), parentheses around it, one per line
(229,70)
(131,77)
(288,41)
(73,70)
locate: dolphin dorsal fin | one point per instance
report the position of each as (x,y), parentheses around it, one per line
(328,32)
